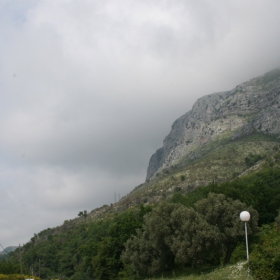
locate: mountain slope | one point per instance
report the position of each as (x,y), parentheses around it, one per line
(225,136)
(252,107)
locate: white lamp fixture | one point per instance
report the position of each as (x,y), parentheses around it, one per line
(245,216)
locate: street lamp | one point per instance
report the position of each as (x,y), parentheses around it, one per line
(245,217)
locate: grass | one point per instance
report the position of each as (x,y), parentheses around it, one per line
(237,272)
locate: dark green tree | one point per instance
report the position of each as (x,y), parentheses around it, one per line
(265,257)
(9,267)
(83,214)
(222,213)
(190,236)
(194,240)
(107,263)
(149,252)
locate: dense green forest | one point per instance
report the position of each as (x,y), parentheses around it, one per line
(194,230)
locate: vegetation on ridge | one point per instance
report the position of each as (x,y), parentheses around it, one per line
(220,161)
(93,248)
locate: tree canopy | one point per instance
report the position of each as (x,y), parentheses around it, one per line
(173,233)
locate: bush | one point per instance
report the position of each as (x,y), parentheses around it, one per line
(252,159)
(265,258)
(183,178)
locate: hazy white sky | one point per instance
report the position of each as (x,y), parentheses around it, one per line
(89,89)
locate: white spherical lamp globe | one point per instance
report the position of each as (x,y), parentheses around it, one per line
(245,216)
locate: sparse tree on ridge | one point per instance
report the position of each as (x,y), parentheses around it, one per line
(84,214)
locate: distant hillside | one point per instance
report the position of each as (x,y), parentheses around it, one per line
(8,250)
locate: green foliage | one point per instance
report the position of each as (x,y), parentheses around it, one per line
(107,263)
(237,272)
(239,253)
(261,190)
(265,257)
(177,198)
(8,267)
(251,159)
(198,228)
(223,213)
(174,234)
(83,214)
(193,240)
(149,251)
(84,250)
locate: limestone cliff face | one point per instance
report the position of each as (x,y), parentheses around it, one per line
(253,106)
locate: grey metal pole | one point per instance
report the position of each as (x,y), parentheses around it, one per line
(246,236)
(247,249)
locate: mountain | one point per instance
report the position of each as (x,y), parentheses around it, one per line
(226,135)
(229,143)
(8,250)
(252,107)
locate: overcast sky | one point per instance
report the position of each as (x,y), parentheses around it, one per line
(90,88)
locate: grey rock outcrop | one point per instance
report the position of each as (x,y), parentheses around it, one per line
(253,106)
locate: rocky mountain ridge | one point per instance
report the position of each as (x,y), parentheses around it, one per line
(252,107)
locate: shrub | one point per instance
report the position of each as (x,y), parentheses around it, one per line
(252,159)
(265,258)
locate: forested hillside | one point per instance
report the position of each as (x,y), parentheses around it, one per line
(198,229)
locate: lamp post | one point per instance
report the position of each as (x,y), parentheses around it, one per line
(245,217)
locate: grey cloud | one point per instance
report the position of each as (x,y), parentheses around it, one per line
(89,90)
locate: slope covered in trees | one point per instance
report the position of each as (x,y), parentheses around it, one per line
(189,230)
